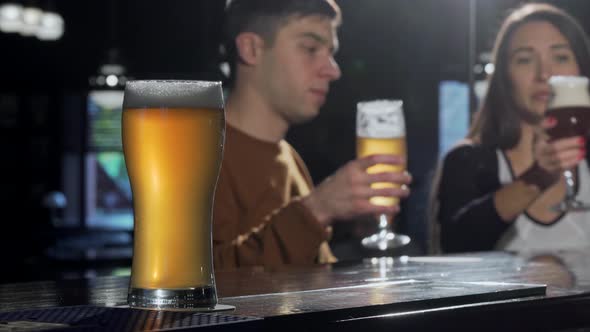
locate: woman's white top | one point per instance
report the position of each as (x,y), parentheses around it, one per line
(570,231)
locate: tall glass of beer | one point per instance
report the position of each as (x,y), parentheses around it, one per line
(381,129)
(173,135)
(570,106)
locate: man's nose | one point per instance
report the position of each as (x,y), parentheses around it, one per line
(331,70)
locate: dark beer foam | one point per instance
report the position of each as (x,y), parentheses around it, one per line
(173,94)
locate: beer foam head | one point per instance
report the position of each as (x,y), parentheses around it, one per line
(173,94)
(380,119)
(569,91)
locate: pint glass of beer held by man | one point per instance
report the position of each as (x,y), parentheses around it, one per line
(173,134)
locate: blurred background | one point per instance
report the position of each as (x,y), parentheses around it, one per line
(64,195)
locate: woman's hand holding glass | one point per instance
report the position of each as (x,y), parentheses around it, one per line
(557,156)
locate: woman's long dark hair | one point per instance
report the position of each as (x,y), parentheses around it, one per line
(497,124)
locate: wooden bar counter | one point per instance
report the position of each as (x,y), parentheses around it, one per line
(480,292)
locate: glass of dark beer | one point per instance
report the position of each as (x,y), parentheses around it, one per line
(173,134)
(570,106)
(381,129)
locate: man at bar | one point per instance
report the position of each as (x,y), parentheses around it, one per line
(266,211)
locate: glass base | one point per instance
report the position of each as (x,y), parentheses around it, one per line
(191,299)
(385,240)
(571,206)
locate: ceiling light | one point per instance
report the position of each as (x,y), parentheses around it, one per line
(10,17)
(112,80)
(51,26)
(31,18)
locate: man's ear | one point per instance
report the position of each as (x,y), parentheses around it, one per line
(249,47)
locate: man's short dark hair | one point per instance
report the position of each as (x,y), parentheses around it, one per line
(266,17)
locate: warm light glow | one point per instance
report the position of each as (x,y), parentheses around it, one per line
(31,21)
(112,80)
(31,18)
(10,17)
(51,26)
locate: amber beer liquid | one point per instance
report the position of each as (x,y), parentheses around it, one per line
(366,146)
(173,136)
(173,157)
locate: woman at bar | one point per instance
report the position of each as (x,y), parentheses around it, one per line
(497,189)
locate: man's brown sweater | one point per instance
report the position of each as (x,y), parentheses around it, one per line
(258,218)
